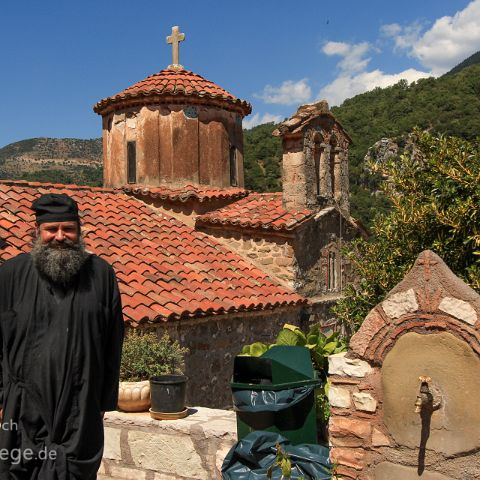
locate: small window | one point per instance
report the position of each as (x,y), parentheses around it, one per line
(131,162)
(316,155)
(233,167)
(332,272)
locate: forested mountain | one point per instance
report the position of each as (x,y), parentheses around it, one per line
(472,60)
(449,105)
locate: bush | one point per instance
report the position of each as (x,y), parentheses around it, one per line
(144,356)
(435,198)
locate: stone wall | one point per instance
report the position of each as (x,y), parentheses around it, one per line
(138,447)
(405,397)
(315,160)
(307,260)
(272,252)
(215,341)
(319,266)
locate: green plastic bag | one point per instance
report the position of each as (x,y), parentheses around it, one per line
(250,458)
(269,400)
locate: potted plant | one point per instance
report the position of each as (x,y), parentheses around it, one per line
(145,356)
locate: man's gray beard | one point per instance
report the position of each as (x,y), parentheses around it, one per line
(59,264)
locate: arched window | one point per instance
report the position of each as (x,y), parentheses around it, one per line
(333,152)
(132,162)
(317,153)
(233,167)
(332,272)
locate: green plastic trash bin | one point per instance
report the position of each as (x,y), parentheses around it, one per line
(276,392)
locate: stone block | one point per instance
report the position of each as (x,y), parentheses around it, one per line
(125,473)
(372,324)
(344,473)
(112,449)
(339,397)
(220,457)
(459,309)
(364,402)
(339,364)
(391,471)
(400,304)
(166,454)
(266,261)
(352,432)
(350,457)
(283,262)
(379,439)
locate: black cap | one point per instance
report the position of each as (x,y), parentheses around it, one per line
(55,207)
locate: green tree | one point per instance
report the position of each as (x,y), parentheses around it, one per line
(435,199)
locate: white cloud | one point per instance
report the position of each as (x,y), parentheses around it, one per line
(258,119)
(450,40)
(404,37)
(347,86)
(288,93)
(353,55)
(390,29)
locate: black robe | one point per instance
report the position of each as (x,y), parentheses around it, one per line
(60,369)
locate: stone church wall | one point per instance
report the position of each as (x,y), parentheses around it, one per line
(215,341)
(319,267)
(175,144)
(272,253)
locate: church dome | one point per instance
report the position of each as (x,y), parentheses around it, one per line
(173,86)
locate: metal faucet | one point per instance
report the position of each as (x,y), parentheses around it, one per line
(425,397)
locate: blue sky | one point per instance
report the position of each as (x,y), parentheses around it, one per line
(58,58)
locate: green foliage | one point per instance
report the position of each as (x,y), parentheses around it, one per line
(446,105)
(282,461)
(320,346)
(144,356)
(436,206)
(91,176)
(262,156)
(472,60)
(254,350)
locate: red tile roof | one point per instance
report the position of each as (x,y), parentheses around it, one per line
(166,270)
(186,192)
(173,82)
(259,210)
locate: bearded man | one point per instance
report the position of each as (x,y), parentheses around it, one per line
(61,330)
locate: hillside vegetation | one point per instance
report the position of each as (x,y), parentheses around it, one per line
(59,160)
(448,105)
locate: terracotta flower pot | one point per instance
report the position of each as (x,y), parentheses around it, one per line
(134,396)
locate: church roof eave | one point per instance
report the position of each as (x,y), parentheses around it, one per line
(177,86)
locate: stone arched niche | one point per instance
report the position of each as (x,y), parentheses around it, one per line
(454,369)
(405,396)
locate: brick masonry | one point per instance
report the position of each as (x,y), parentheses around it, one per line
(367,443)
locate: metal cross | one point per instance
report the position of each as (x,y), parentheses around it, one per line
(175,38)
